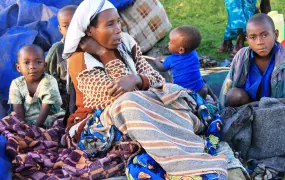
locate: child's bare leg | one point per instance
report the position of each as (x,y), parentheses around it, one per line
(203,91)
(237,97)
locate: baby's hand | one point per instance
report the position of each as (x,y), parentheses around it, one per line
(219,128)
(88,44)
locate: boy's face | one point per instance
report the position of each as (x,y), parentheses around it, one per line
(31,64)
(64,19)
(261,38)
(175,42)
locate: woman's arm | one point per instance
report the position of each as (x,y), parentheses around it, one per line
(144,69)
(125,84)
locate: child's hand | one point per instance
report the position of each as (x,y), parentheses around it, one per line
(45,109)
(219,127)
(158,63)
(88,44)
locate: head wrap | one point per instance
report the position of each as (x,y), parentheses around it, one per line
(81,19)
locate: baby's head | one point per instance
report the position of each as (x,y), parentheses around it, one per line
(261,34)
(64,17)
(31,62)
(184,39)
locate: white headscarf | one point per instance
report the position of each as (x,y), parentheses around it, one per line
(81,19)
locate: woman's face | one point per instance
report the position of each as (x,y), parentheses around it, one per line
(107,32)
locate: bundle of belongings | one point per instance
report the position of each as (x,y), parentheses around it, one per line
(146,21)
(255,132)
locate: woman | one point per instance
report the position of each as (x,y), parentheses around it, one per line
(118,80)
(239,11)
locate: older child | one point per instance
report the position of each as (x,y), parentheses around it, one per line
(258,70)
(184,61)
(56,65)
(34,96)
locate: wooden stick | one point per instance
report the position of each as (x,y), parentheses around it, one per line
(148,57)
(151,58)
(216,68)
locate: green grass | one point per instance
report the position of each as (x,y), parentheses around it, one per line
(209,16)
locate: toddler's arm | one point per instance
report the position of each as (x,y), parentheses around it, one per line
(45,109)
(210,92)
(158,63)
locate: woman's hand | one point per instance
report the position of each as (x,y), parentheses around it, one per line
(88,44)
(125,84)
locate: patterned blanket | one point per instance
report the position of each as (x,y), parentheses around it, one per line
(37,153)
(146,22)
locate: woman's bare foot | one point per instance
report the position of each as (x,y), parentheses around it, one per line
(226,46)
(239,43)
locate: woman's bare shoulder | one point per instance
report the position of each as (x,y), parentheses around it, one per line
(76,58)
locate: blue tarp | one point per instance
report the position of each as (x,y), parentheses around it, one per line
(5,170)
(25,22)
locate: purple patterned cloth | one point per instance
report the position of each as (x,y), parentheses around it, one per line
(38,153)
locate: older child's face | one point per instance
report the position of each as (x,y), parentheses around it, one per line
(108,30)
(175,42)
(261,38)
(64,20)
(31,64)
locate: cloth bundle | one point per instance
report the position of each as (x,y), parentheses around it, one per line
(146,22)
(256,132)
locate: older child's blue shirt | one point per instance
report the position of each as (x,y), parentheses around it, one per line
(255,77)
(185,70)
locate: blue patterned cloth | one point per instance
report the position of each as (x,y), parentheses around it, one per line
(212,120)
(144,167)
(94,139)
(239,11)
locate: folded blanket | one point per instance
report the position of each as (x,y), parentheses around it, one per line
(257,132)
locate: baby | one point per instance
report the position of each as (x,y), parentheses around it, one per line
(184,60)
